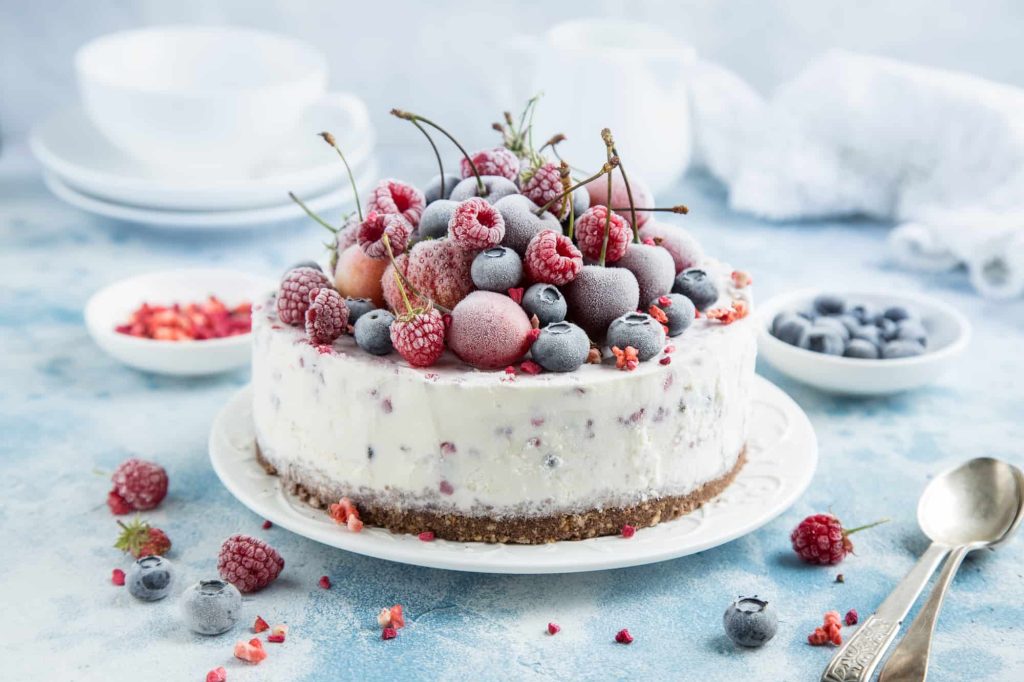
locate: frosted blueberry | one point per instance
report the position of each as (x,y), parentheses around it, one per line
(211,607)
(373,332)
(433,189)
(149,578)
(639,330)
(836,324)
(868,333)
(696,286)
(887,329)
(901,349)
(679,311)
(851,322)
(823,339)
(498,268)
(911,330)
(357,307)
(861,348)
(829,304)
(750,622)
(561,347)
(495,188)
(791,329)
(896,313)
(863,311)
(435,219)
(546,302)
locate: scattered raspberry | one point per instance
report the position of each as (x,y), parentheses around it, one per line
(831,618)
(293,295)
(554,629)
(419,337)
(396,197)
(251,651)
(218,674)
(623,636)
(267,525)
(497,161)
(552,258)
(476,224)
(388,633)
(118,505)
(325,582)
(628,531)
(590,234)
(821,539)
(117,577)
(326,317)
(543,186)
(835,635)
(669,349)
(209,319)
(260,625)
(531,367)
(276,639)
(140,539)
(248,563)
(427,536)
(516,294)
(851,617)
(741,279)
(376,226)
(627,359)
(140,484)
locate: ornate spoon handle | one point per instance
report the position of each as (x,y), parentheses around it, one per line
(859,656)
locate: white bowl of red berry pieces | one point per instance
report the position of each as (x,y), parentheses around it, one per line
(861,343)
(187,322)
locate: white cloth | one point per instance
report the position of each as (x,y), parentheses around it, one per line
(940,152)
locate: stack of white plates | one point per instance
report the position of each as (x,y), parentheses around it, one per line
(85,170)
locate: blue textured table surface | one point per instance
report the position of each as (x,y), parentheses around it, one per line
(68,413)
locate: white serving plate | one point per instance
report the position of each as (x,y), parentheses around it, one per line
(113,305)
(782,455)
(948,335)
(69,147)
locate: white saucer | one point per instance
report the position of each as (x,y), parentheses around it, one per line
(70,147)
(782,454)
(242,218)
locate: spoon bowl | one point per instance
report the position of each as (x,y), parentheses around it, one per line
(977,503)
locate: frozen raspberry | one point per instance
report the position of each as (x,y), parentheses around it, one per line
(821,539)
(218,674)
(653,267)
(685,250)
(497,161)
(600,295)
(489,330)
(851,617)
(326,317)
(372,231)
(293,296)
(118,505)
(552,258)
(248,563)
(543,186)
(439,268)
(623,636)
(394,196)
(590,234)
(419,337)
(598,191)
(117,577)
(140,484)
(476,225)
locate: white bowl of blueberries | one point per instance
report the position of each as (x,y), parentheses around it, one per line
(861,343)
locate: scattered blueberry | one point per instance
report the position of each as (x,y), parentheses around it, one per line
(498,268)
(887,329)
(373,332)
(750,622)
(211,607)
(910,329)
(864,312)
(357,307)
(639,330)
(679,311)
(561,347)
(792,329)
(896,313)
(836,324)
(829,304)
(901,349)
(434,221)
(861,348)
(696,286)
(432,192)
(546,302)
(823,339)
(149,578)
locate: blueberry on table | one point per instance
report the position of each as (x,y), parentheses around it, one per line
(750,622)
(373,332)
(679,310)
(696,286)
(792,329)
(639,330)
(211,607)
(149,578)
(498,268)
(901,349)
(546,302)
(861,348)
(561,347)
(822,339)
(912,330)
(829,304)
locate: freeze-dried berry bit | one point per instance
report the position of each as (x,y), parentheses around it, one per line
(426,536)
(248,563)
(324,582)
(354,524)
(623,636)
(835,635)
(590,231)
(278,634)
(209,319)
(396,197)
(831,618)
(516,294)
(260,625)
(594,357)
(326,317)
(552,258)
(344,512)
(554,628)
(625,359)
(628,531)
(851,617)
(251,651)
(545,185)
(267,525)
(665,361)
(141,484)
(277,639)
(531,367)
(658,314)
(293,294)
(738,311)
(489,330)
(117,577)
(419,337)
(476,224)
(497,161)
(388,633)
(373,230)
(397,616)
(818,637)
(384,617)
(840,578)
(741,279)
(218,674)
(510,370)
(140,539)
(118,505)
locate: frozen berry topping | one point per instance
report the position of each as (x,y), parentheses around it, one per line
(248,563)
(293,296)
(497,161)
(476,224)
(326,317)
(545,185)
(376,226)
(552,258)
(394,196)
(419,337)
(590,234)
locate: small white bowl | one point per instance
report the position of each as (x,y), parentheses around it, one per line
(113,305)
(948,335)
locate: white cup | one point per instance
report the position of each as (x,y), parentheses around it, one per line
(198,99)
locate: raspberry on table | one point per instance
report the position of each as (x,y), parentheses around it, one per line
(552,258)
(248,563)
(372,231)
(590,234)
(419,337)
(497,161)
(140,484)
(293,295)
(821,539)
(326,317)
(397,197)
(543,186)
(476,224)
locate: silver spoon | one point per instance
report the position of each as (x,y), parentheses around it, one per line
(958,506)
(995,521)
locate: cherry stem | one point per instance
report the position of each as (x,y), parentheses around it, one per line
(860,528)
(606,134)
(680,209)
(605,169)
(403,282)
(416,117)
(329,139)
(437,154)
(312,215)
(555,140)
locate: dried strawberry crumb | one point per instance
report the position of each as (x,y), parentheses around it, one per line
(516,294)
(260,625)
(276,639)
(623,636)
(658,314)
(532,336)
(267,525)
(218,674)
(446,488)
(426,536)
(325,582)
(510,370)
(117,577)
(554,628)
(665,360)
(669,349)
(531,367)
(397,617)
(354,523)
(664,301)
(628,531)
(388,633)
